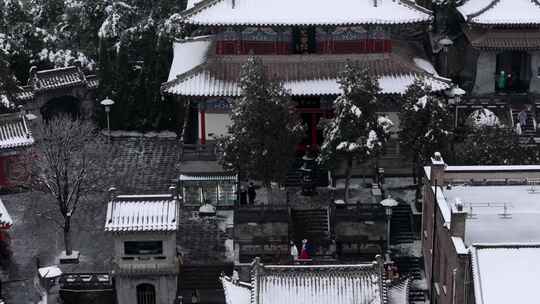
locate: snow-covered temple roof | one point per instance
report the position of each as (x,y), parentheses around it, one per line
(304,12)
(14,131)
(500,12)
(314,284)
(505,273)
(218,75)
(142,213)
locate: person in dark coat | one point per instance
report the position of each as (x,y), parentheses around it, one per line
(252,194)
(243,196)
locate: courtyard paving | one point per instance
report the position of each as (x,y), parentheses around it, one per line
(141,165)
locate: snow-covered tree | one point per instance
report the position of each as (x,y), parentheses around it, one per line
(495,146)
(356,132)
(69,163)
(265,128)
(425,125)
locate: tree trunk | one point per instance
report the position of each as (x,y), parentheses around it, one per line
(348,173)
(67,234)
(187,108)
(415,168)
(269,194)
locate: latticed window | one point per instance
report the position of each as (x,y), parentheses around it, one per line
(146,294)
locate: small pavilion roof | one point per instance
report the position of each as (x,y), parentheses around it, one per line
(305,12)
(142,213)
(504,39)
(14,131)
(501,12)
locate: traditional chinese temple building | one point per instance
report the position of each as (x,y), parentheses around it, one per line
(329,284)
(500,67)
(304,44)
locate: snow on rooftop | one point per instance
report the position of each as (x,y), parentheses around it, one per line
(492,168)
(444,207)
(459,245)
(188,54)
(236,293)
(5,218)
(504,275)
(204,84)
(305,12)
(50,272)
(501,11)
(498,213)
(425,65)
(142,213)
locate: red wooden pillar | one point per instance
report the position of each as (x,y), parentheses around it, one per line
(3,177)
(202,114)
(313,129)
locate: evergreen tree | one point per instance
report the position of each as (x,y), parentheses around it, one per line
(265,128)
(357,132)
(425,124)
(496,146)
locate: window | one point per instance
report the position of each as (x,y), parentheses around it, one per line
(146,294)
(143,247)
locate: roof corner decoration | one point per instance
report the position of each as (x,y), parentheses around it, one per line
(260,12)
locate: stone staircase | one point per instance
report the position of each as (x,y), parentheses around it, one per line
(311,224)
(401,225)
(196,277)
(294,176)
(412,266)
(527,130)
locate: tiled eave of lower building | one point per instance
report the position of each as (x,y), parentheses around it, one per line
(301,75)
(504,39)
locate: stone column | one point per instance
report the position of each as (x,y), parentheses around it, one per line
(486,66)
(535,72)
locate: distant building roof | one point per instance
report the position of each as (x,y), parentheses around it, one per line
(14,131)
(5,218)
(501,12)
(506,273)
(304,12)
(328,284)
(61,78)
(218,75)
(218,176)
(142,213)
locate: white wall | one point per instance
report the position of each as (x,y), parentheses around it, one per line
(216,124)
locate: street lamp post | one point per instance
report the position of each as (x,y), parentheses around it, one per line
(455,94)
(107,103)
(445,43)
(388,204)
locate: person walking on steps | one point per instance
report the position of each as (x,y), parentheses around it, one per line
(294,252)
(243,195)
(304,254)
